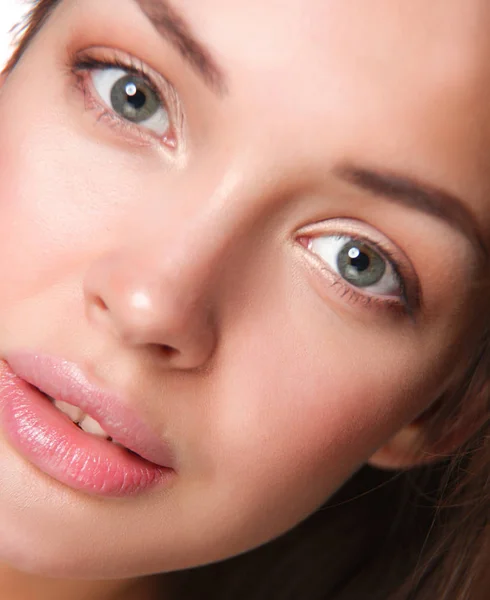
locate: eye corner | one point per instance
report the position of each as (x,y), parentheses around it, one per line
(304,240)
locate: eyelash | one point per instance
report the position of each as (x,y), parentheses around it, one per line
(406,303)
(81,66)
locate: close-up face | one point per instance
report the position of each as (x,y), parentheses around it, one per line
(262,227)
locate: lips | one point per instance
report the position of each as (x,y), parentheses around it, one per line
(52,442)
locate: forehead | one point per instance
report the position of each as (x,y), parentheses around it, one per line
(441,34)
(416,68)
(382,53)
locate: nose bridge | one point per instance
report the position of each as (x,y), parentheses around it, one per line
(198,241)
(191,257)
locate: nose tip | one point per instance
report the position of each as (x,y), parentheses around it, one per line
(165,311)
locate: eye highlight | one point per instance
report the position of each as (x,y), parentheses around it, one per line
(128,96)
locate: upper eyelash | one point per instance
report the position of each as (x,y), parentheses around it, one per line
(140,70)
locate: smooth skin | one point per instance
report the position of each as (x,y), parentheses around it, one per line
(180,271)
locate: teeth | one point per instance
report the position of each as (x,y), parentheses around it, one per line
(90,425)
(85,422)
(118,444)
(71,411)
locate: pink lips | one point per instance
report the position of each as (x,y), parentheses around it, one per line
(47,437)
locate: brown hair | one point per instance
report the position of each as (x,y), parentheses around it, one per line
(421,534)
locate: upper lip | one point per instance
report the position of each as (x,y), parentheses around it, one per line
(63,380)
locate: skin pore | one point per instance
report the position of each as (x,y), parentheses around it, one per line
(187,262)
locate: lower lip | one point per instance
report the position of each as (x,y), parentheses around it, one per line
(53,443)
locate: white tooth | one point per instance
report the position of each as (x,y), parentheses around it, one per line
(91,426)
(71,411)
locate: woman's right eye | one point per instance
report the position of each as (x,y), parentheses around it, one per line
(132,98)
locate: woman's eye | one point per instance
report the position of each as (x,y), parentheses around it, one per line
(358,263)
(132,98)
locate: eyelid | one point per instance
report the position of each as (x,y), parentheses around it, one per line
(91,59)
(358,230)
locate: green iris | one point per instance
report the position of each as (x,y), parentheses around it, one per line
(360,265)
(132,98)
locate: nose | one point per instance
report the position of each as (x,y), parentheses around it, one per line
(162,303)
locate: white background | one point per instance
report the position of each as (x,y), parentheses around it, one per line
(11,12)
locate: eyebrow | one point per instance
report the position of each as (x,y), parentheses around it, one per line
(420,196)
(172,26)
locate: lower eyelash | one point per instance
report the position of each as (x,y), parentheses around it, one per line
(349,292)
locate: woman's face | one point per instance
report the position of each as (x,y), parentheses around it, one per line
(266,255)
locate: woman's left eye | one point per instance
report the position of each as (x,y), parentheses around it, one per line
(358,263)
(132,98)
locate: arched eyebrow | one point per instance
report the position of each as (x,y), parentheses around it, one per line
(172,26)
(417,195)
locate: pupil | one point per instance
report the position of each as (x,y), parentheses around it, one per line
(360,262)
(136,98)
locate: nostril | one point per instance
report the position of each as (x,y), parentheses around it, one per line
(169,351)
(99,303)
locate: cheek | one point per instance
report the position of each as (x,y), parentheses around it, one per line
(60,206)
(308,401)
(59,202)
